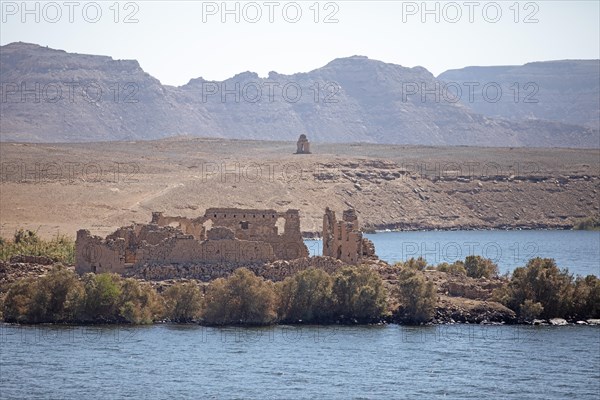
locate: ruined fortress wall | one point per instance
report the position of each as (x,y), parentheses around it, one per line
(254,225)
(186,225)
(187,250)
(342,239)
(229,236)
(94,254)
(245,224)
(235,236)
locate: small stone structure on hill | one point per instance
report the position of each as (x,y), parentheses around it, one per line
(302,146)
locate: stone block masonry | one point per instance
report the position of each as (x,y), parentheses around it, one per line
(222,236)
(343,239)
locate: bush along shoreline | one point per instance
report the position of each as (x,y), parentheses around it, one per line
(411,292)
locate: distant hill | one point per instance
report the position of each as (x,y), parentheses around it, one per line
(80,117)
(352,99)
(565,91)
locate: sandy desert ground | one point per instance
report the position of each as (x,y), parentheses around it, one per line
(60,188)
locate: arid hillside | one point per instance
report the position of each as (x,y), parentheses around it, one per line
(56,188)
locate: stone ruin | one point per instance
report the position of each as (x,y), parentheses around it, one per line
(302,146)
(343,239)
(221,235)
(221,239)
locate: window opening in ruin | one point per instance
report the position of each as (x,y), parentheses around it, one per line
(244,224)
(280,224)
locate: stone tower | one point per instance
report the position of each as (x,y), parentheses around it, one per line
(302,146)
(343,239)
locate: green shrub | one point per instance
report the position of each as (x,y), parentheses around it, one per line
(586,297)
(19,299)
(418,264)
(242,298)
(530,310)
(65,294)
(62,296)
(55,297)
(139,302)
(416,295)
(456,268)
(540,281)
(102,297)
(479,267)
(183,302)
(306,296)
(60,248)
(358,294)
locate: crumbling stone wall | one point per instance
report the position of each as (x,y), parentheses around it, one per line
(186,225)
(235,237)
(343,239)
(248,224)
(238,236)
(94,254)
(186,249)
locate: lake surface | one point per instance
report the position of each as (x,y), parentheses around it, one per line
(317,362)
(577,250)
(309,362)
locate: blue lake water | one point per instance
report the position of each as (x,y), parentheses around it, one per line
(577,250)
(326,362)
(308,362)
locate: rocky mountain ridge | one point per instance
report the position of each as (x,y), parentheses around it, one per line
(54,96)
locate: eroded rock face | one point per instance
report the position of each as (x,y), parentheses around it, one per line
(460,310)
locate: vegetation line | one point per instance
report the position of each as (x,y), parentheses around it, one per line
(353,294)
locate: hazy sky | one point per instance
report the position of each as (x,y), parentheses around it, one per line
(177,41)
